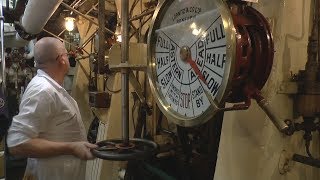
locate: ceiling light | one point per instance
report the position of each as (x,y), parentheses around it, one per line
(69,23)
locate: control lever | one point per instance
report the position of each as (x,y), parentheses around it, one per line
(264,105)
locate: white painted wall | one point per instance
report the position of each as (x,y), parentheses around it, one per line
(250,145)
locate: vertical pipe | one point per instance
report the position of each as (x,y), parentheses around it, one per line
(124,72)
(14,4)
(101,52)
(312,65)
(140,24)
(7,5)
(317,13)
(3,62)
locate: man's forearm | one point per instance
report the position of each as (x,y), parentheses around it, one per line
(41,148)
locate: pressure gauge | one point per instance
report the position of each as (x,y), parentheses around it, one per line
(191,58)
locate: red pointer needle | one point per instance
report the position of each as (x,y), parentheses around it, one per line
(185,55)
(196,70)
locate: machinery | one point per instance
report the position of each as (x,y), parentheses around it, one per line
(224,55)
(201,58)
(304,87)
(202,55)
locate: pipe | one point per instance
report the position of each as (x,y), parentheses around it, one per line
(318,26)
(278,122)
(3,62)
(136,17)
(135,32)
(102,44)
(31,50)
(157,172)
(7,5)
(306,160)
(75,3)
(35,17)
(124,71)
(118,7)
(37,14)
(89,39)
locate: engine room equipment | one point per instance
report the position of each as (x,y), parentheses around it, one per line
(3,62)
(180,69)
(4,115)
(206,53)
(305,88)
(125,148)
(32,23)
(99,99)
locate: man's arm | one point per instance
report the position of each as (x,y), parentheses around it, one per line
(41,148)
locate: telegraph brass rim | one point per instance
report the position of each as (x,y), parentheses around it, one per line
(227,75)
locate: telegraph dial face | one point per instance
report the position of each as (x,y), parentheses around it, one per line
(191,58)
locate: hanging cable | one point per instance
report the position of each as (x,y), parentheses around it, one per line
(108,89)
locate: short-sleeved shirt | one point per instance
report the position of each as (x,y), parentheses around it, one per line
(47,111)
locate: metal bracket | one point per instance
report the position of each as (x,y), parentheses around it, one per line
(254,1)
(137,87)
(133,80)
(136,67)
(23,33)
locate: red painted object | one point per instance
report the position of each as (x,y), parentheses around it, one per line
(254,53)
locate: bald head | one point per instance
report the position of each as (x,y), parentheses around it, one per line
(46,51)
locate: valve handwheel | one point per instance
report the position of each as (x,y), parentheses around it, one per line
(114,149)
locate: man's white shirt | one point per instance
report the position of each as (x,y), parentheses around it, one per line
(47,111)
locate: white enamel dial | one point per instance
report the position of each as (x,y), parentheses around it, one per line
(189,59)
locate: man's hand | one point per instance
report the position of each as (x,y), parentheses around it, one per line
(82,150)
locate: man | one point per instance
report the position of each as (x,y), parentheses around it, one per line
(48,129)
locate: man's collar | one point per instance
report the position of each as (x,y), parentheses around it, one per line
(42,73)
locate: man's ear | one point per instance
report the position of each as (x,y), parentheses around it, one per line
(61,61)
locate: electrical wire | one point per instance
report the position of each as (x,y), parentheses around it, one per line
(132,114)
(308,149)
(108,89)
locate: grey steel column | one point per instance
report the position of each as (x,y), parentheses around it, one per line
(124,72)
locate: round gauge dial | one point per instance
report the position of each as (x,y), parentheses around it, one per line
(191,57)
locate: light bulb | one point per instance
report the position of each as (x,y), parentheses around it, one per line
(118,33)
(69,23)
(119,38)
